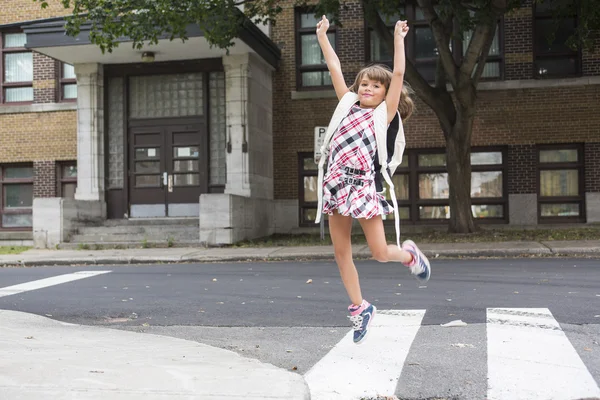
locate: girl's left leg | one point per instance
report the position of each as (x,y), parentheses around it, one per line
(409,255)
(381,251)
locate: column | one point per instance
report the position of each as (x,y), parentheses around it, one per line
(90,132)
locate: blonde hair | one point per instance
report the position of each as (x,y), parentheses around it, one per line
(381,73)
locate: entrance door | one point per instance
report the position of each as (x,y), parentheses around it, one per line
(168,169)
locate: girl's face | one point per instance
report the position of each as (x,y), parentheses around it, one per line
(370,93)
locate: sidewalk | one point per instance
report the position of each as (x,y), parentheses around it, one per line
(47,359)
(300,253)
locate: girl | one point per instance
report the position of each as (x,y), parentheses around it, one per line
(363,146)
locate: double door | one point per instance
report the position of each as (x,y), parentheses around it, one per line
(168,168)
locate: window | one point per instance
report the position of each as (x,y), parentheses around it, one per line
(308,188)
(312,72)
(553,57)
(493,64)
(560,183)
(67,179)
(16,68)
(421,185)
(422,49)
(68,82)
(16,200)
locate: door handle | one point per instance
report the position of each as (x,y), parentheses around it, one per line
(165,182)
(170,185)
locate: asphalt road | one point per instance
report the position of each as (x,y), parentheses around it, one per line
(268,310)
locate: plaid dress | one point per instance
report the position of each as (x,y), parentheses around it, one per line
(349,184)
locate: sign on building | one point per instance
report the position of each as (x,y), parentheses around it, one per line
(319,136)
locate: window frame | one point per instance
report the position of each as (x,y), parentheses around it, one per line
(579,199)
(302,173)
(414,202)
(577,54)
(298,33)
(10,85)
(62,82)
(410,12)
(60,179)
(14,181)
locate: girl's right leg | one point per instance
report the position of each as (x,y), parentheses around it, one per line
(361,312)
(340,230)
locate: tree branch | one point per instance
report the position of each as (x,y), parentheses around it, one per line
(485,50)
(481,36)
(442,39)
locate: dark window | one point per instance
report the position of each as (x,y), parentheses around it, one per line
(421,185)
(308,188)
(553,56)
(16,68)
(312,72)
(68,82)
(67,179)
(16,200)
(421,47)
(560,184)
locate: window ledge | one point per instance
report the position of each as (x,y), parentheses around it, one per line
(36,108)
(539,83)
(314,94)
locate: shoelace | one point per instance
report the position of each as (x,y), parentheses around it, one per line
(357,321)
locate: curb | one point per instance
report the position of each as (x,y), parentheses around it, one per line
(448,254)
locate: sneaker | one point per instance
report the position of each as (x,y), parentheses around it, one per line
(361,317)
(420,264)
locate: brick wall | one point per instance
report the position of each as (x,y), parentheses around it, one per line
(44,179)
(518,38)
(522,169)
(28,10)
(38,136)
(519,118)
(592,167)
(44,79)
(591,60)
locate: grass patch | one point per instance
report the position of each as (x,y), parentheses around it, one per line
(484,235)
(13,249)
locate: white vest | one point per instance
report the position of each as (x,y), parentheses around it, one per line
(388,162)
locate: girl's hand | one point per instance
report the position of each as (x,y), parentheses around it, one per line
(401,29)
(322,26)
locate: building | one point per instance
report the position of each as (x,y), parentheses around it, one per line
(185,131)
(536,134)
(173,131)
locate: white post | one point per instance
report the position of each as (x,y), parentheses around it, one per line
(90,132)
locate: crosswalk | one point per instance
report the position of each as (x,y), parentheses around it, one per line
(512,354)
(528,357)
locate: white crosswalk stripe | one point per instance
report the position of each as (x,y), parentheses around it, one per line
(529,357)
(43,283)
(343,372)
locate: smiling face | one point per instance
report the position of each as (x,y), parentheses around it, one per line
(371,93)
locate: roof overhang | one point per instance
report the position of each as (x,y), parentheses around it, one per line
(49,37)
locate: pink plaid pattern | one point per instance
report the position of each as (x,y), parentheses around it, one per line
(354,146)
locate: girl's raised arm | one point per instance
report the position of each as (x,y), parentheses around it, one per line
(392,99)
(332,60)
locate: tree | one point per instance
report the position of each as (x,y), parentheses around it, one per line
(455,108)
(145,20)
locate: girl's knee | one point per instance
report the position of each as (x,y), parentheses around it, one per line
(381,254)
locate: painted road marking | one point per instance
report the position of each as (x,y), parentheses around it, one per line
(42,283)
(530,357)
(351,371)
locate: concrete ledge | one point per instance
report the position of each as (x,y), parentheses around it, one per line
(16,235)
(38,108)
(48,359)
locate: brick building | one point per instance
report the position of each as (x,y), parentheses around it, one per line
(183,130)
(536,134)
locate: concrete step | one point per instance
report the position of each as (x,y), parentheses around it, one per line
(136,237)
(126,245)
(137,230)
(191,221)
